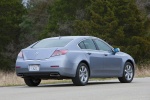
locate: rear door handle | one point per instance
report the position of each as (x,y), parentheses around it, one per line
(89,53)
(105,54)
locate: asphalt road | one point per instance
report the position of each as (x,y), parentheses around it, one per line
(139,89)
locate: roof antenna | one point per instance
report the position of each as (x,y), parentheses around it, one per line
(59,35)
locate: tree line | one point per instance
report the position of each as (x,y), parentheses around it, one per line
(122,23)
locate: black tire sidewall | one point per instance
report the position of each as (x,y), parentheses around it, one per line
(124,78)
(30,82)
(76,80)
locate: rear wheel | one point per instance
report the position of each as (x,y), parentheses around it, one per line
(82,75)
(32,81)
(128,73)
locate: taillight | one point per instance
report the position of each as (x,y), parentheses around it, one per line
(20,54)
(18,67)
(59,52)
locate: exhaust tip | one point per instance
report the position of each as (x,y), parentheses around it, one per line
(54,74)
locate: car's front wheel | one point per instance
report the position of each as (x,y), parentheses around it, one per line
(82,75)
(32,81)
(128,73)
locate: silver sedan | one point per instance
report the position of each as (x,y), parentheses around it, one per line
(75,57)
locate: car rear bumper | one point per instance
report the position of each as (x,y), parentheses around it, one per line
(43,75)
(63,68)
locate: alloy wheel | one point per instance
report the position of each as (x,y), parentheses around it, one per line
(83,74)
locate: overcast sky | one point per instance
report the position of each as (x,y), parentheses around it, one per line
(25,2)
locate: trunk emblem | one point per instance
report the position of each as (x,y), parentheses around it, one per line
(36,53)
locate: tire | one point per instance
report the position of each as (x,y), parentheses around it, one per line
(32,81)
(82,75)
(128,73)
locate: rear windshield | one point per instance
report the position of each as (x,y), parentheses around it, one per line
(49,43)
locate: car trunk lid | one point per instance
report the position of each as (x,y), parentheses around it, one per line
(38,54)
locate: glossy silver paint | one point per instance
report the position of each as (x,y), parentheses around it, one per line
(101,63)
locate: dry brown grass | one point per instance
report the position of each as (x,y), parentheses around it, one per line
(143,71)
(10,78)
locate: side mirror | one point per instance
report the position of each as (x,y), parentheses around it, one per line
(116,50)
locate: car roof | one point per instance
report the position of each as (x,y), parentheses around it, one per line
(71,37)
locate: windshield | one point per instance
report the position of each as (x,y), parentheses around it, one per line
(49,43)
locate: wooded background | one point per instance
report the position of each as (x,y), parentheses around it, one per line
(121,23)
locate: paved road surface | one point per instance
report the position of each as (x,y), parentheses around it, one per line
(139,89)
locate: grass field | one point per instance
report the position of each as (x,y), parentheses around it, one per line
(10,79)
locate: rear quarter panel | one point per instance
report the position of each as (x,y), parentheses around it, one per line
(75,57)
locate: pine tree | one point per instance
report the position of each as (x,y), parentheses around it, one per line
(133,25)
(34,21)
(11,12)
(120,23)
(100,22)
(62,16)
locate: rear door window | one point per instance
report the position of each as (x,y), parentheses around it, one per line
(81,45)
(87,44)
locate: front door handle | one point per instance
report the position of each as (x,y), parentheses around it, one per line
(89,53)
